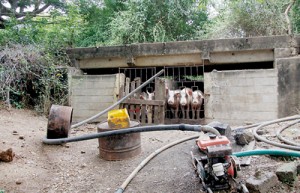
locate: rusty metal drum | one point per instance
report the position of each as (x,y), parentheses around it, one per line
(119,147)
(59,121)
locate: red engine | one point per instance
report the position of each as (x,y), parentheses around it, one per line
(216,169)
(217,147)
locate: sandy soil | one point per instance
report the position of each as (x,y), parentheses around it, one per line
(76,167)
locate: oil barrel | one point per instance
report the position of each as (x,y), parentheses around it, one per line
(59,122)
(119,147)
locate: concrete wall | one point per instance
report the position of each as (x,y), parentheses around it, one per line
(235,97)
(288,86)
(241,96)
(90,94)
(236,50)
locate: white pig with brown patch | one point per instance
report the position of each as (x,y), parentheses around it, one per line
(148,96)
(197,101)
(173,101)
(185,102)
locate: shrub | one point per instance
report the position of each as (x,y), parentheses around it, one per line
(30,77)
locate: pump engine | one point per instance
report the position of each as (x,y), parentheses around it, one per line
(216,167)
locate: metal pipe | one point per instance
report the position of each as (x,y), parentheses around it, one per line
(117,103)
(181,127)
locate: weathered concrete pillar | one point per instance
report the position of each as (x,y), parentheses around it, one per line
(288,70)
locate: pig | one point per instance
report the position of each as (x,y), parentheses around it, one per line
(197,100)
(185,102)
(173,100)
(149,108)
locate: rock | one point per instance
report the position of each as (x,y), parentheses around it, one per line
(243,136)
(287,173)
(257,174)
(83,165)
(66,145)
(223,128)
(73,132)
(21,137)
(260,132)
(261,182)
(30,162)
(15,132)
(82,152)
(7,156)
(18,182)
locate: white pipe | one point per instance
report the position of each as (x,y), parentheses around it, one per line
(150,157)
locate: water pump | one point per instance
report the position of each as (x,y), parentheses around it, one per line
(216,167)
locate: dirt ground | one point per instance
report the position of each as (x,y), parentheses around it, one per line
(76,167)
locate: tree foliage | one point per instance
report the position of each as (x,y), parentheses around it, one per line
(30,77)
(32,46)
(157,21)
(22,9)
(33,61)
(97,18)
(121,22)
(245,18)
(295,17)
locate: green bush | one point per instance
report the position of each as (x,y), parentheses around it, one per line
(32,77)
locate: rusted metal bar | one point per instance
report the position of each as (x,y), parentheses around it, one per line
(144,102)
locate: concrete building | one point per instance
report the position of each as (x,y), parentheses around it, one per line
(246,80)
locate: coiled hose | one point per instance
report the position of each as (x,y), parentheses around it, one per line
(181,127)
(286,140)
(297,148)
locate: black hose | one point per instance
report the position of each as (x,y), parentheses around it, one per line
(181,127)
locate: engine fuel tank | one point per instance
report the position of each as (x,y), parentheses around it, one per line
(212,141)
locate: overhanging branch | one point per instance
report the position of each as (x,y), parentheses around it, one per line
(32,13)
(4,11)
(286,13)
